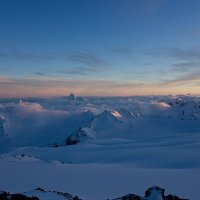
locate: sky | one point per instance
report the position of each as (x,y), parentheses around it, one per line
(99,47)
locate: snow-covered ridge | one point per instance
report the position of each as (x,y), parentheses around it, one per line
(38,194)
(52,122)
(152,193)
(101,147)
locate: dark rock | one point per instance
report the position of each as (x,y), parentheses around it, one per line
(40,189)
(151,193)
(131,197)
(76,198)
(173,197)
(76,138)
(22,197)
(158,190)
(4,195)
(7,196)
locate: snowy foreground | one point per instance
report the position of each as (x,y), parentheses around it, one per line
(101,148)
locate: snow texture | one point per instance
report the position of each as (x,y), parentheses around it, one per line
(101,147)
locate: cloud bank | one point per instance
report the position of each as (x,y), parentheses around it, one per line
(23,87)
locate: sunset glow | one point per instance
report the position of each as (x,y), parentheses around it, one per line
(99,48)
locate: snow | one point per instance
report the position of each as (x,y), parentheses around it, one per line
(155,194)
(116,114)
(124,145)
(46,195)
(96,181)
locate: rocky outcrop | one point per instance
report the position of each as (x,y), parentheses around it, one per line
(186,109)
(62,194)
(7,196)
(76,138)
(73,97)
(155,192)
(129,197)
(35,195)
(2,121)
(152,193)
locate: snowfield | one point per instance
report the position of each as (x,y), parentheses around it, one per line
(101,147)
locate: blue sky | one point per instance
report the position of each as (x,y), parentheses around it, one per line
(107,47)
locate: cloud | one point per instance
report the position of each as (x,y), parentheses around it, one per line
(179,60)
(188,79)
(77,71)
(153,107)
(4,55)
(29,87)
(30,123)
(185,54)
(88,59)
(18,55)
(186,64)
(123,50)
(6,80)
(90,63)
(40,73)
(184,73)
(80,70)
(24,87)
(182,55)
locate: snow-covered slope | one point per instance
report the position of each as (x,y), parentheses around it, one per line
(95,141)
(51,122)
(2,121)
(152,193)
(38,194)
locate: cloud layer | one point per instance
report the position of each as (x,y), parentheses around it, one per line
(10,87)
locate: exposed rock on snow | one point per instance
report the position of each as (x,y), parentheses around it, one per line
(38,194)
(76,138)
(80,136)
(2,121)
(46,195)
(108,116)
(126,113)
(74,97)
(48,122)
(7,196)
(129,197)
(153,193)
(185,109)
